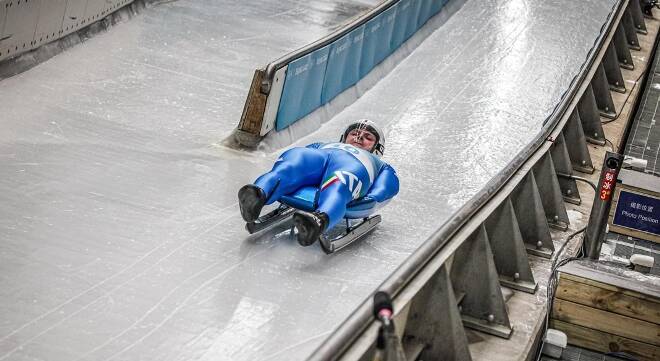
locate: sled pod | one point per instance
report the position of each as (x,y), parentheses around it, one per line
(553,202)
(434,322)
(576,144)
(531,218)
(474,278)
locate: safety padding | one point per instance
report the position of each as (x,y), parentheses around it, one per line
(316,78)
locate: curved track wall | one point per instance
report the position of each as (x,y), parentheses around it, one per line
(453,280)
(28,24)
(293,86)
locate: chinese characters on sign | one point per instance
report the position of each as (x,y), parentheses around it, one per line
(607,185)
(638,212)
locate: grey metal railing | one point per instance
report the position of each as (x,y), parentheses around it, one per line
(532,176)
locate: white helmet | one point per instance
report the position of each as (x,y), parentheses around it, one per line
(368,125)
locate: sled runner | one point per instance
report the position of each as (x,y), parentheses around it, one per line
(358,218)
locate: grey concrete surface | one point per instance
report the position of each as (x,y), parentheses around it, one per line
(120,237)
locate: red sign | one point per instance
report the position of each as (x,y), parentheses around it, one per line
(607,185)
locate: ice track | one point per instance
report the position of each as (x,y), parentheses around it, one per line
(120,237)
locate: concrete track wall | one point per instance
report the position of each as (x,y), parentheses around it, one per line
(28,24)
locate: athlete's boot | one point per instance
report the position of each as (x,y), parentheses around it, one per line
(251,199)
(310,226)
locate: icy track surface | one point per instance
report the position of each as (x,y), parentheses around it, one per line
(120,237)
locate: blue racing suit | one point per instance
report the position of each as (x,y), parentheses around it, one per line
(341,171)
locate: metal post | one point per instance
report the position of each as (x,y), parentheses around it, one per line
(622,50)
(475,280)
(563,167)
(434,322)
(647,8)
(602,93)
(576,143)
(631,33)
(590,116)
(531,218)
(613,70)
(638,17)
(509,252)
(551,197)
(595,233)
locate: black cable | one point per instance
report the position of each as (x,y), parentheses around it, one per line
(612,146)
(627,97)
(551,288)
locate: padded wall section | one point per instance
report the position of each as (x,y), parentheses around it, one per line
(320,76)
(303,87)
(28,24)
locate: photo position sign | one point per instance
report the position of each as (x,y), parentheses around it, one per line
(637,211)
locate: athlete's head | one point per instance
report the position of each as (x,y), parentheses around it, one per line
(364,134)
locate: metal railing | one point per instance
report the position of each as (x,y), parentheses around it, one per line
(518,205)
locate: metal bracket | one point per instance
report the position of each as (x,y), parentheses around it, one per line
(622,50)
(434,321)
(533,223)
(629,29)
(602,93)
(590,116)
(613,70)
(473,274)
(637,16)
(562,161)
(548,184)
(576,144)
(509,249)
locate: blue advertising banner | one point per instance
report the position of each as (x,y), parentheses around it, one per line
(424,12)
(638,212)
(303,86)
(372,31)
(413,17)
(403,10)
(436,6)
(384,47)
(316,78)
(343,67)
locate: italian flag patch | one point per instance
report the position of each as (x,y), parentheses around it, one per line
(329,181)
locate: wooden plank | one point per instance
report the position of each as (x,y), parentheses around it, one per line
(608,322)
(607,287)
(608,300)
(646,286)
(255,105)
(605,342)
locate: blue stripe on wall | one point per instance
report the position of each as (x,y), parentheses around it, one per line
(318,77)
